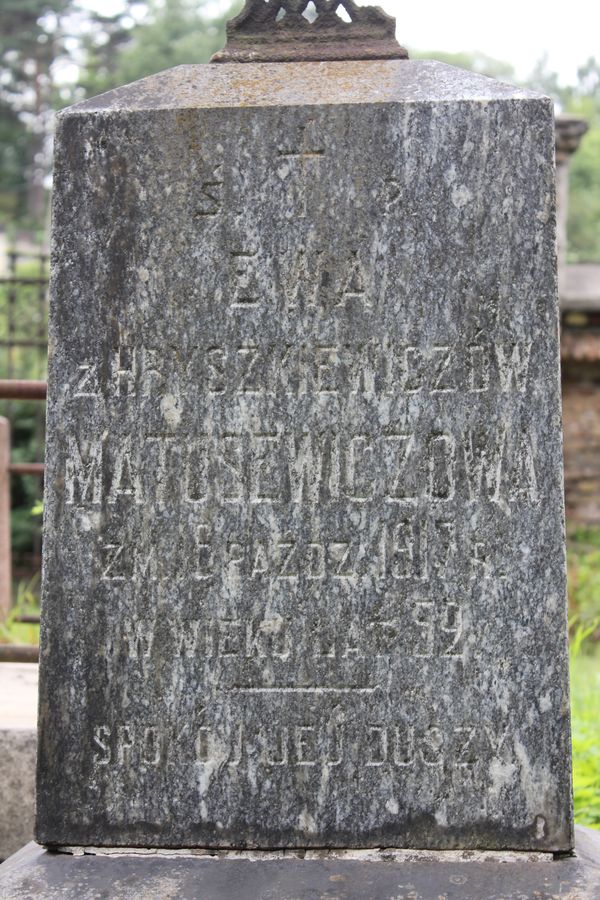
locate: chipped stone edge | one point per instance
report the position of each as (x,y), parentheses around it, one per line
(391,854)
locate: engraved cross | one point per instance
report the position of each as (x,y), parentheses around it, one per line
(307,154)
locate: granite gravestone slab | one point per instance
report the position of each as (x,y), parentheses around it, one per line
(304,560)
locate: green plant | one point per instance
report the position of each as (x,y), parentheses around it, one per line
(583,559)
(23,356)
(585,723)
(26,446)
(12,631)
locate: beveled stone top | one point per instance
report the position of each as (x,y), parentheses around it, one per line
(302,84)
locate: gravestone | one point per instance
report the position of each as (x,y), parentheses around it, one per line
(304,580)
(304,564)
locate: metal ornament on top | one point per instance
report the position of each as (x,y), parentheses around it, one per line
(305,30)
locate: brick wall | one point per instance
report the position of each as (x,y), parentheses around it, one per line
(581,422)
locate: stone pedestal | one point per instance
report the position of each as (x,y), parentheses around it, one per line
(345,875)
(18,746)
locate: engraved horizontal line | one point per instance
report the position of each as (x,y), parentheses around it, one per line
(313,689)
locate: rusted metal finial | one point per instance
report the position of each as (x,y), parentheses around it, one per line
(302,30)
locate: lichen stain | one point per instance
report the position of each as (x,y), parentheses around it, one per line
(170,407)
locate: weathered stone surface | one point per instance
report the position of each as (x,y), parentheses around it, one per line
(304,569)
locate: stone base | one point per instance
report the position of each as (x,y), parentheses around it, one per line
(342,875)
(17,788)
(18,748)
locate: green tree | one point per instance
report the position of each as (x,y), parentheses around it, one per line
(172,32)
(102,42)
(29,44)
(473,61)
(584,189)
(583,227)
(546,81)
(14,144)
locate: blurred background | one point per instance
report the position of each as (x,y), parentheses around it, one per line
(56,52)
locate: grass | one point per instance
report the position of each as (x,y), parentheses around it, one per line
(583,557)
(26,603)
(585,724)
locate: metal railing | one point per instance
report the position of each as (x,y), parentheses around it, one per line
(14,390)
(22,390)
(28,653)
(23,355)
(19,292)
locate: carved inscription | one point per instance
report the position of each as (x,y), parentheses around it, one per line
(420,628)
(395,747)
(245,292)
(210,199)
(335,371)
(311,520)
(83,473)
(274,467)
(415,549)
(299,165)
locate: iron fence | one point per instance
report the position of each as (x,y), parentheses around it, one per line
(23,356)
(23,360)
